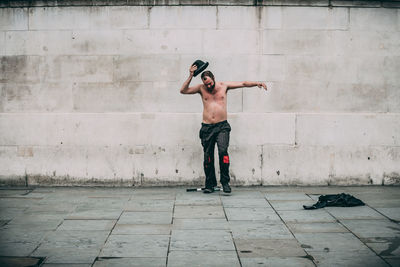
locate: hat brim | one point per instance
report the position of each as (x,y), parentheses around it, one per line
(200,69)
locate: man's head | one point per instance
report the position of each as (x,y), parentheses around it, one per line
(208,80)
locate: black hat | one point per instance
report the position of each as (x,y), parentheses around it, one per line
(200,66)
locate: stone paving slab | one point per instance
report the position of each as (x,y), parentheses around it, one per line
(393,261)
(287,196)
(386,247)
(277,261)
(306,216)
(145,217)
(203,258)
(142,229)
(94,214)
(324,227)
(16,261)
(187,212)
(153,194)
(326,242)
(10,202)
(290,204)
(77,239)
(201,224)
(140,246)
(11,213)
(372,228)
(257,248)
(56,205)
(14,192)
(131,262)
(98,203)
(52,208)
(259,230)
(392,213)
(70,255)
(37,218)
(13,233)
(383,203)
(150,205)
(17,249)
(252,214)
(197,198)
(87,225)
(212,240)
(244,203)
(152,226)
(359,212)
(243,194)
(363,258)
(198,201)
(37,226)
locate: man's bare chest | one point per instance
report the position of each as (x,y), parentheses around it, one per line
(219,96)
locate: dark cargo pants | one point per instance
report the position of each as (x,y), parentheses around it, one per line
(209,135)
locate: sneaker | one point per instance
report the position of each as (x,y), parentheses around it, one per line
(208,190)
(226,188)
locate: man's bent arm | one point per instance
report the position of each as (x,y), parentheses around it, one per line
(189,90)
(234,85)
(185,87)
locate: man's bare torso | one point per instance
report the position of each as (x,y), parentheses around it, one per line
(214,103)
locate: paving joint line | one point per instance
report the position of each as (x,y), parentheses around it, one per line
(116,221)
(170,232)
(338,221)
(39,244)
(308,255)
(390,219)
(230,231)
(237,252)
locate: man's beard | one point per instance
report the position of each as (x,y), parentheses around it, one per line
(212,87)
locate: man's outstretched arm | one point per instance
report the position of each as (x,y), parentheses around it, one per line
(234,85)
(185,89)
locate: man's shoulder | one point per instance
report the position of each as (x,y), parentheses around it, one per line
(202,88)
(223,84)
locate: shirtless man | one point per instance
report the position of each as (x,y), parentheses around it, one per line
(215,127)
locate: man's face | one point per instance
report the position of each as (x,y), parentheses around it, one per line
(209,83)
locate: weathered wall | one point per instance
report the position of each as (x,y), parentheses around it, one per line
(90,94)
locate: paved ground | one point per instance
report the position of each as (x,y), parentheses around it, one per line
(258,226)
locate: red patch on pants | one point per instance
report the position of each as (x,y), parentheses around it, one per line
(226,159)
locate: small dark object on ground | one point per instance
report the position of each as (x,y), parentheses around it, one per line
(338,200)
(202,189)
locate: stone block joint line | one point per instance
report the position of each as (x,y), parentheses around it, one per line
(291,232)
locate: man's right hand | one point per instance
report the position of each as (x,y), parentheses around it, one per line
(192,69)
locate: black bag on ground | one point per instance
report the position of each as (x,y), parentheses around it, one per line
(338,200)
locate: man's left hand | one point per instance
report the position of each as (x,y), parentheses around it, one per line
(262,85)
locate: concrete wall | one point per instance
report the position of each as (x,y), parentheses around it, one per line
(90,94)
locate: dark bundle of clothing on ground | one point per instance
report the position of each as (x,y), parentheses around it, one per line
(338,200)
